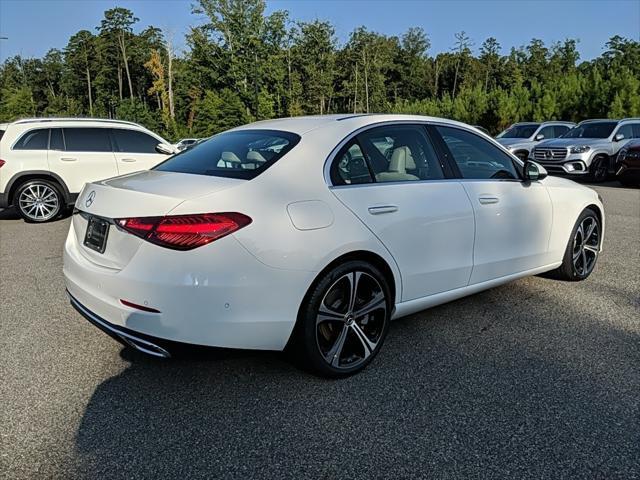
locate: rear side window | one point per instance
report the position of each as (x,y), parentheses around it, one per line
(87,139)
(561,130)
(132,141)
(239,154)
(1,134)
(33,140)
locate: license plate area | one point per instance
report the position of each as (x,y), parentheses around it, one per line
(96,235)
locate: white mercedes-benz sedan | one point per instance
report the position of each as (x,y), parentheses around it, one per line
(312,233)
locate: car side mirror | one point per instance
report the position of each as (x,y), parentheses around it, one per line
(534,171)
(618,137)
(164,149)
(539,137)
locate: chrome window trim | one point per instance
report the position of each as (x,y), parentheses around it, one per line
(331,157)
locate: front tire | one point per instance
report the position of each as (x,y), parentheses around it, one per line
(582,250)
(599,169)
(344,320)
(38,201)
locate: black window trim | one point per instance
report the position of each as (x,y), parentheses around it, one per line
(454,166)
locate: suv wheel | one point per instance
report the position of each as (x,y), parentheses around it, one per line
(38,201)
(599,169)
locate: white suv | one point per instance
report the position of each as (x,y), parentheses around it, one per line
(45,162)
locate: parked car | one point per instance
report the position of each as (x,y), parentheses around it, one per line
(521,138)
(589,150)
(322,240)
(46,161)
(628,164)
(186,143)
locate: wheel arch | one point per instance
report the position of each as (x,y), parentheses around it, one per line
(26,176)
(600,214)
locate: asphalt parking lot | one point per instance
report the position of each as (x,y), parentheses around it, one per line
(535,379)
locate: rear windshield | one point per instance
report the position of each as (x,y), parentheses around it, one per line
(519,131)
(241,154)
(591,130)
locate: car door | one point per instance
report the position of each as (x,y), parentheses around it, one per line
(80,155)
(135,150)
(391,178)
(513,217)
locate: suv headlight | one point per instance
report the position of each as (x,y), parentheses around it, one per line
(580,149)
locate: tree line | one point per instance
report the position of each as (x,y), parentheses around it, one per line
(243,65)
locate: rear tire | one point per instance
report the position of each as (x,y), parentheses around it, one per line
(344,320)
(583,248)
(38,201)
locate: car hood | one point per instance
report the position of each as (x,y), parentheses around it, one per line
(571,142)
(511,142)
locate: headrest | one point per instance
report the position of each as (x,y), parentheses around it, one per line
(255,157)
(230,157)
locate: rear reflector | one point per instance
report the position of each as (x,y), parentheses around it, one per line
(184,232)
(138,307)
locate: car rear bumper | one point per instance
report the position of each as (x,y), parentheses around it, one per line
(218,295)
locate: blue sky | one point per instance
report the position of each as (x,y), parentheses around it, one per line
(34,26)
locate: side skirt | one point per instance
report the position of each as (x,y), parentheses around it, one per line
(412,306)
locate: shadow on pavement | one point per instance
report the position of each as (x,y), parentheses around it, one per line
(471,391)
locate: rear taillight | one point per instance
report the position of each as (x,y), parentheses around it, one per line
(184,232)
(2,162)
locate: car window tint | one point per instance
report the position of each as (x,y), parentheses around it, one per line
(560,130)
(636,130)
(476,157)
(548,132)
(33,140)
(1,134)
(626,130)
(350,166)
(55,141)
(400,153)
(133,141)
(87,139)
(237,154)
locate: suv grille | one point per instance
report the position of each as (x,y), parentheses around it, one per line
(549,154)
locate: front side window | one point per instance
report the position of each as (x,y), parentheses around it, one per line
(519,131)
(33,140)
(560,130)
(592,130)
(475,157)
(87,139)
(133,141)
(547,132)
(240,154)
(626,130)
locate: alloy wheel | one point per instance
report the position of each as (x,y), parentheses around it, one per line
(586,243)
(350,320)
(39,202)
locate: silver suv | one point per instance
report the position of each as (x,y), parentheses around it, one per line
(521,138)
(589,150)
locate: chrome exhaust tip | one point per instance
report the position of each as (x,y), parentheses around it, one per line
(133,341)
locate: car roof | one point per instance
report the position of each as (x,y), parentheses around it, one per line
(75,121)
(304,124)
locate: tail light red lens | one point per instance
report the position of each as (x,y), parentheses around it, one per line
(2,162)
(184,232)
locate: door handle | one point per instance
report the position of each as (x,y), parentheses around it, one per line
(377,210)
(129,160)
(68,159)
(488,200)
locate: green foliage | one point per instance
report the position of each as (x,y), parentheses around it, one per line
(244,64)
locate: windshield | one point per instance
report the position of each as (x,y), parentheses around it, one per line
(591,130)
(241,154)
(519,131)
